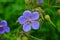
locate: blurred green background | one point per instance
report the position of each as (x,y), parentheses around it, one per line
(10,10)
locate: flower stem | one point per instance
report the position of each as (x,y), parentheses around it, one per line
(52,23)
(34,37)
(56,6)
(16,22)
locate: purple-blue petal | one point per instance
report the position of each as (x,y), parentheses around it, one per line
(1,28)
(2,32)
(27,14)
(40,1)
(26,27)
(35,25)
(3,22)
(7,29)
(35,15)
(22,19)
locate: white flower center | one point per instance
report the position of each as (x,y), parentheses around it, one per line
(1,25)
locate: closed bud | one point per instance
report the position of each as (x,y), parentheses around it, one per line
(18,38)
(39,10)
(57,1)
(58,12)
(24,38)
(27,1)
(47,17)
(41,21)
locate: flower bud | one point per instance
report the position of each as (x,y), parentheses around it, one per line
(38,9)
(39,1)
(58,12)
(24,38)
(18,38)
(41,21)
(47,17)
(27,1)
(57,1)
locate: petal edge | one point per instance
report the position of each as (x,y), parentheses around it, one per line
(26,27)
(35,15)
(21,20)
(35,25)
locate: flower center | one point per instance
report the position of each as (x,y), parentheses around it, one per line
(1,27)
(30,19)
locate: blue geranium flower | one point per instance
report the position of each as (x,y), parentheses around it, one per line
(4,27)
(40,1)
(29,20)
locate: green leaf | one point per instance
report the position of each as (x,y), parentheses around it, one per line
(1,9)
(58,25)
(6,1)
(13,8)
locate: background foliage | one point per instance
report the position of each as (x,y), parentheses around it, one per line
(10,10)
